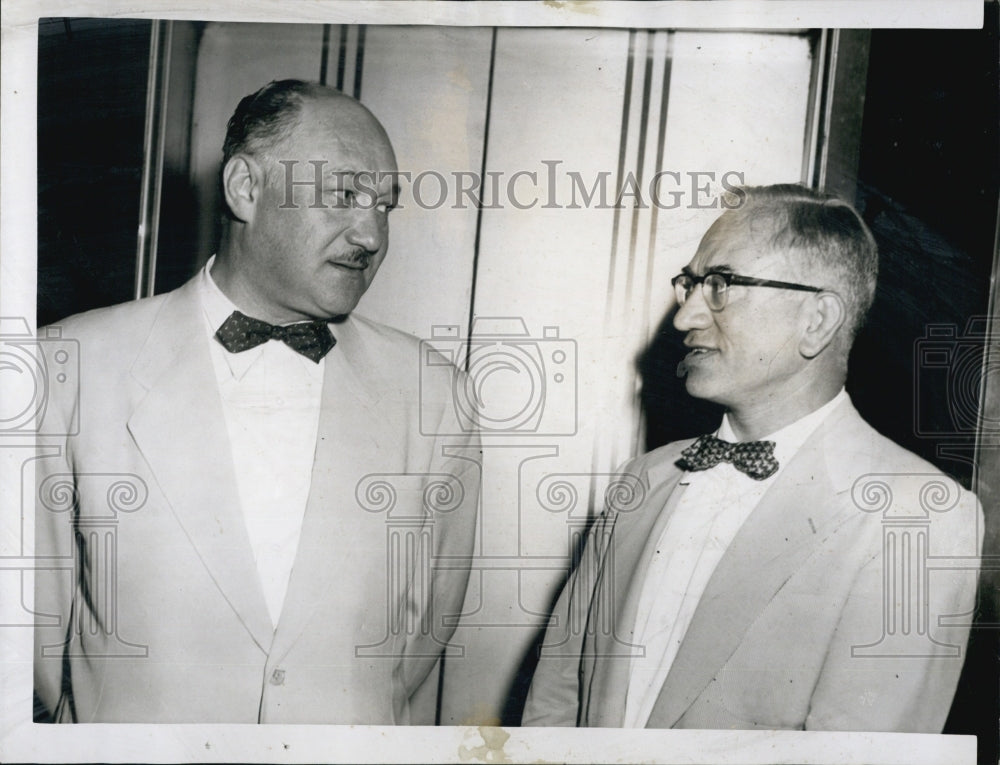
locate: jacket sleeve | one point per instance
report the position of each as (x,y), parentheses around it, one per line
(555,693)
(449,493)
(57,574)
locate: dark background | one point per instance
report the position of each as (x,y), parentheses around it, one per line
(91,114)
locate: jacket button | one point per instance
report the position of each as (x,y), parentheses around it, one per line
(278,677)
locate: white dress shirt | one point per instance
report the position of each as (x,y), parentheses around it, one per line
(271,400)
(715,504)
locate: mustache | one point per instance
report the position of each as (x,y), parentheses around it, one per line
(356,257)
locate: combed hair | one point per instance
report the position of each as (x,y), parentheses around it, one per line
(826,233)
(263,118)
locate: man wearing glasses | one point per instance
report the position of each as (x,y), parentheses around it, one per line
(775,573)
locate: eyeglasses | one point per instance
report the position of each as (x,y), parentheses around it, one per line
(716,286)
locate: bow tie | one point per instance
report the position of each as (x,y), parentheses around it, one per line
(241,333)
(755,458)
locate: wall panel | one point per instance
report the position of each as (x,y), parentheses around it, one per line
(428,86)
(234,60)
(543,269)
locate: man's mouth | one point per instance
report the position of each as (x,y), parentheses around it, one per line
(354,264)
(693,357)
(698,351)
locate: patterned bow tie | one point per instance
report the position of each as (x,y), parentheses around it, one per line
(241,333)
(755,458)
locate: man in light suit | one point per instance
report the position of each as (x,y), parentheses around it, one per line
(244,524)
(796,569)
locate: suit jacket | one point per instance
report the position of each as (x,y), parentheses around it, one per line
(828,611)
(153,611)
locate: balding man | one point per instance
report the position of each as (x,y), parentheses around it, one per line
(257,575)
(794,569)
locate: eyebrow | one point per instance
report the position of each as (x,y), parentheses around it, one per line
(722,268)
(351,173)
(375,175)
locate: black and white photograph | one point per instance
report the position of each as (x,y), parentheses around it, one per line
(500,382)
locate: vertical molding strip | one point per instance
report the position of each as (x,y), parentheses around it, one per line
(359,60)
(619,174)
(598,459)
(647,81)
(151,183)
(819,177)
(479,205)
(350,57)
(324,58)
(341,56)
(661,138)
(818,113)
(632,256)
(814,106)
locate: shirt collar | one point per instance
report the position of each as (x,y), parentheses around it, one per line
(790,438)
(217,308)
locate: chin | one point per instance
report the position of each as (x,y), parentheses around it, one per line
(694,386)
(335,313)
(702,389)
(339,307)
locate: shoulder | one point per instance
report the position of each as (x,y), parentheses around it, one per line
(132,319)
(854,447)
(106,332)
(375,346)
(892,484)
(379,334)
(99,320)
(397,361)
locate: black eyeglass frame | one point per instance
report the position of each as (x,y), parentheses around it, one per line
(736,280)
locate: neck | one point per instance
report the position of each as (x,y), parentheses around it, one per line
(752,423)
(227,275)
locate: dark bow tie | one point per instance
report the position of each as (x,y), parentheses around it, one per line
(755,458)
(241,333)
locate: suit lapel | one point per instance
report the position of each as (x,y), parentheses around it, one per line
(180,429)
(330,547)
(635,539)
(781,532)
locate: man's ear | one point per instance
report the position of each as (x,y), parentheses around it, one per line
(242,183)
(825,316)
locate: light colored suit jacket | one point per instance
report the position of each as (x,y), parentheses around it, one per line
(843,603)
(153,612)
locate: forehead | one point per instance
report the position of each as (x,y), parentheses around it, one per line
(341,133)
(741,243)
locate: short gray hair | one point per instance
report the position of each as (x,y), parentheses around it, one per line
(827,233)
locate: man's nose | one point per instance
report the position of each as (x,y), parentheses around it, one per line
(368,229)
(694,312)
